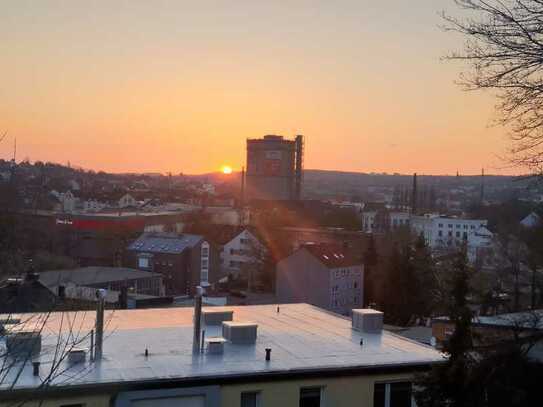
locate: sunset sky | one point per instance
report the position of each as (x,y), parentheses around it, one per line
(179,85)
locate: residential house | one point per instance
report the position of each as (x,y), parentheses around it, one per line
(531,220)
(127,201)
(243,250)
(326,275)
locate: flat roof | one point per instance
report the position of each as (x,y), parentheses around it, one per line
(304,340)
(92,275)
(526,320)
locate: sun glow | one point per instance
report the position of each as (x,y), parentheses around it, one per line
(226,169)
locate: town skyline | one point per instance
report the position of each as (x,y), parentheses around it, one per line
(172,87)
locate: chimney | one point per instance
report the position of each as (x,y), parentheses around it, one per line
(415,195)
(61,292)
(101,299)
(123,298)
(299,164)
(197,320)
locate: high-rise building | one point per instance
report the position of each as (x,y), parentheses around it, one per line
(274,168)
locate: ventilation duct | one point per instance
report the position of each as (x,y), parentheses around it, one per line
(239,332)
(217,316)
(367,320)
(23,343)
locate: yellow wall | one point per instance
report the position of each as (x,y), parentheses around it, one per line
(340,392)
(86,400)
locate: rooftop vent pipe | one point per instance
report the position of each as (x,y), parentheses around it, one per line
(36,368)
(197,320)
(101,297)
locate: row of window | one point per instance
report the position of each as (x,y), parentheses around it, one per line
(346,273)
(398,394)
(458,226)
(204,269)
(239,252)
(348,285)
(450,234)
(345,301)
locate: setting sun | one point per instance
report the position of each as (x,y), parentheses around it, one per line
(226,169)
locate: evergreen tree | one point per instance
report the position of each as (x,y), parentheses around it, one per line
(370,260)
(424,295)
(449,383)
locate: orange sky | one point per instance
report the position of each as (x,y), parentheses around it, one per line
(174,86)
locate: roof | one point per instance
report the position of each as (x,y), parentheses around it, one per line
(85,276)
(170,243)
(528,320)
(304,340)
(333,255)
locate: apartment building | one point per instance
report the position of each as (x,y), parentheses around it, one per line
(329,276)
(184,260)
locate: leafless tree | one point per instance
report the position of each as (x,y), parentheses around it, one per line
(50,338)
(504,52)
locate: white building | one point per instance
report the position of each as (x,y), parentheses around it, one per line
(440,232)
(449,232)
(93,205)
(530,221)
(127,201)
(68,201)
(243,249)
(368,221)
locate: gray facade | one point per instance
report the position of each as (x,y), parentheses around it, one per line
(302,277)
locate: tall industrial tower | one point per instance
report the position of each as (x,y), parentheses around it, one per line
(274,168)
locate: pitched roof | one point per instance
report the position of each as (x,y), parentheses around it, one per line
(171,243)
(333,255)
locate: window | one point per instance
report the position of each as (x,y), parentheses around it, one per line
(250,399)
(465,235)
(465,226)
(450,225)
(205,251)
(205,263)
(450,234)
(440,225)
(310,397)
(204,276)
(231,251)
(244,241)
(440,233)
(392,394)
(355,284)
(143,262)
(458,226)
(457,234)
